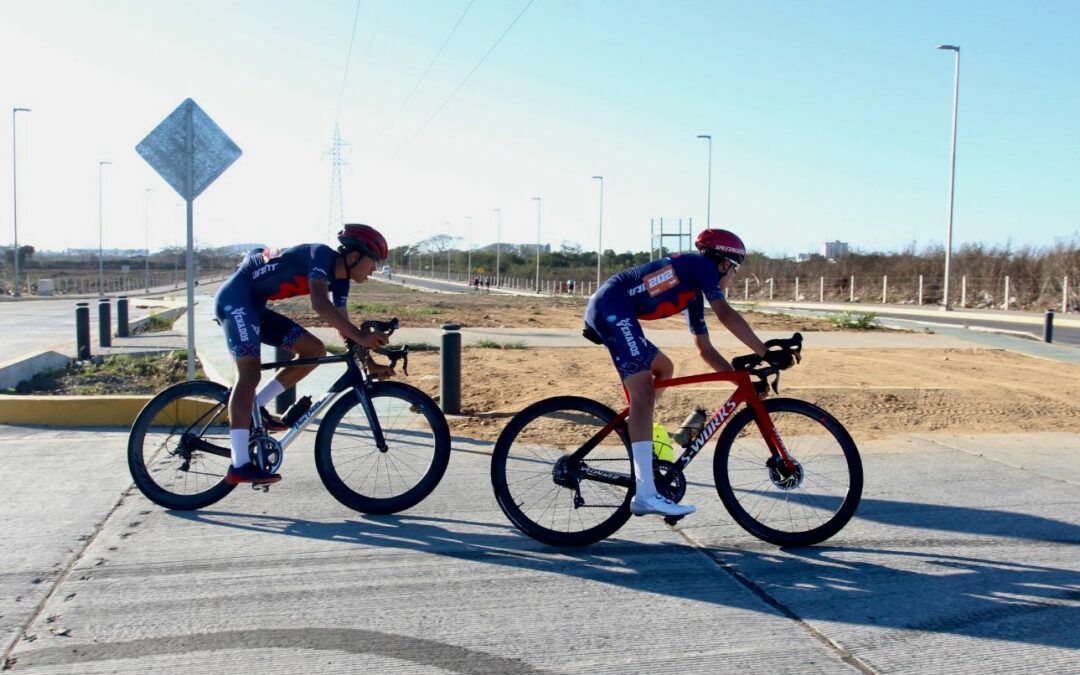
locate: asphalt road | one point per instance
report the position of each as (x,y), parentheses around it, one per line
(961,559)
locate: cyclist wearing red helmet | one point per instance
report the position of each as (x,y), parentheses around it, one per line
(655,290)
(274,274)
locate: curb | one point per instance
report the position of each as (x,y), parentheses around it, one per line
(71,411)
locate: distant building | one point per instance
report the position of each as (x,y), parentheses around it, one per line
(834,249)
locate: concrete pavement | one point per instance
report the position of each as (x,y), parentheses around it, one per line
(962,558)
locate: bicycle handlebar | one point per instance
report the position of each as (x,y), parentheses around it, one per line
(777,346)
(394,354)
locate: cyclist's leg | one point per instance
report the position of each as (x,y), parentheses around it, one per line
(281,331)
(240,321)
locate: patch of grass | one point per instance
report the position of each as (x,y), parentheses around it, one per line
(427,311)
(117,374)
(369,308)
(492,344)
(855,321)
(336,350)
(421,347)
(155,324)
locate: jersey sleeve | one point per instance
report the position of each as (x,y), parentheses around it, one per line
(323,260)
(339,292)
(695,315)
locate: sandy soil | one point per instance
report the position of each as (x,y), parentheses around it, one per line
(875,393)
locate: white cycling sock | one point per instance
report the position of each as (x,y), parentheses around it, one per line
(643,470)
(269,392)
(239,440)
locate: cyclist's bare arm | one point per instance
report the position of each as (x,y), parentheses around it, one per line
(709,354)
(335,318)
(734,322)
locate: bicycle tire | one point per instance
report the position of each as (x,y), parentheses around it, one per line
(416,434)
(517,452)
(177,477)
(821,497)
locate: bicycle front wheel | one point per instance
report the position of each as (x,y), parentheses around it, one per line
(547,497)
(771,501)
(400,475)
(178,449)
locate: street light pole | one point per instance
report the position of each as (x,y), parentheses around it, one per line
(447,226)
(15,194)
(498,243)
(537,200)
(101,234)
(147,205)
(469,274)
(952,170)
(708,199)
(600,230)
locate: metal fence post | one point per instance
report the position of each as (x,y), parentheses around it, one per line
(884,289)
(121,317)
(1065,295)
(450,369)
(746,289)
(1006,292)
(851,297)
(821,290)
(796,289)
(104,323)
(920,289)
(82,330)
(963,291)
(1048,326)
(770,288)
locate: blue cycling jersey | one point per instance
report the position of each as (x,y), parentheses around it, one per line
(662,288)
(273,274)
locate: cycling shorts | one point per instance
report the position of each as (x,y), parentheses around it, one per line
(615,321)
(247,323)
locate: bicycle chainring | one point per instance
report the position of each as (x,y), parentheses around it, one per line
(267,453)
(669,478)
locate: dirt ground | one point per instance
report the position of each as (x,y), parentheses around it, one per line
(875,393)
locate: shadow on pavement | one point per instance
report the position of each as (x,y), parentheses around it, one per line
(931,592)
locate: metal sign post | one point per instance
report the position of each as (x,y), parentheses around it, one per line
(189,151)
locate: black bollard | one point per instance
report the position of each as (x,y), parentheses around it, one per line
(82,330)
(286,398)
(450,369)
(121,317)
(1048,326)
(104,323)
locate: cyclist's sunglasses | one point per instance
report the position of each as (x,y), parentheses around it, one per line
(732,266)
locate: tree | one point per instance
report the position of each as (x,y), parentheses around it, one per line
(25,254)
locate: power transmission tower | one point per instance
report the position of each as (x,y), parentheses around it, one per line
(337,209)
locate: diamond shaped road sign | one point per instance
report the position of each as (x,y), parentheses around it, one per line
(170,146)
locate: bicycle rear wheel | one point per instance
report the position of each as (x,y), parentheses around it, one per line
(360,475)
(789,508)
(178,449)
(539,490)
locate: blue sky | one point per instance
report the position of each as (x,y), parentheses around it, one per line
(829,120)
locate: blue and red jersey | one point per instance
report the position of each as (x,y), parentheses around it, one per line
(659,289)
(276,274)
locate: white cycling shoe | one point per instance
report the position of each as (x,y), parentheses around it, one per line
(658,505)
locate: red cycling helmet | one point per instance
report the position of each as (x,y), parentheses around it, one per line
(363,238)
(719,245)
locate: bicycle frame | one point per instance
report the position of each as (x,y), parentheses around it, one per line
(353,378)
(744,393)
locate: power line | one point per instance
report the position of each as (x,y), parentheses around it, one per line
(348,60)
(427,70)
(462,84)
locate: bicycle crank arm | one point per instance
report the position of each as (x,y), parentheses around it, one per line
(207,447)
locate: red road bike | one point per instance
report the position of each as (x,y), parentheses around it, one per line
(786,470)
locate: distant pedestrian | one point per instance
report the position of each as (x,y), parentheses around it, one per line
(487,284)
(570,286)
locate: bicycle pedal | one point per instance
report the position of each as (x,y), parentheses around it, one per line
(265,487)
(672,520)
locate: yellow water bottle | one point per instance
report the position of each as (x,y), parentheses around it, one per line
(661,443)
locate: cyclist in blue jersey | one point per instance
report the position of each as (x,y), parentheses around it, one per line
(274,274)
(656,290)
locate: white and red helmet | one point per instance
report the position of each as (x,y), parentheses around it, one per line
(719,245)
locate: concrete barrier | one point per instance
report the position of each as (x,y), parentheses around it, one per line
(23,368)
(71,411)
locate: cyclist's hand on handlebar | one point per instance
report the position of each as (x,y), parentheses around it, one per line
(373,339)
(781,359)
